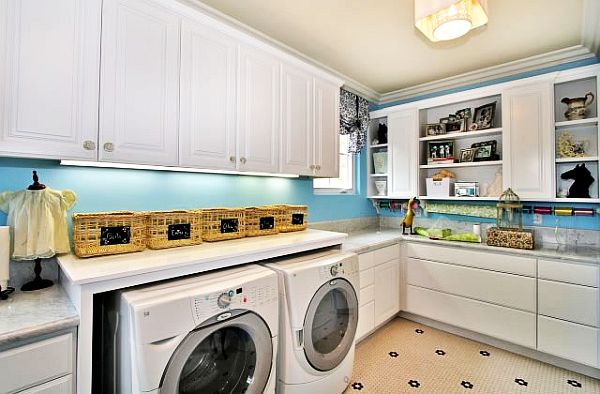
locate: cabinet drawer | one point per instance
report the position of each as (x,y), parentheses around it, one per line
(497,321)
(386,254)
(579,274)
(367,295)
(36,363)
(62,385)
(490,286)
(367,277)
(366,320)
(575,303)
(472,258)
(365,261)
(569,340)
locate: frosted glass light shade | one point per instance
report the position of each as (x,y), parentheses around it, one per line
(441,20)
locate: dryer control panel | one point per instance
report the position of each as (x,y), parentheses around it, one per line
(243,297)
(342,268)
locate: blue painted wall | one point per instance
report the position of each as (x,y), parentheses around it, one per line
(103,189)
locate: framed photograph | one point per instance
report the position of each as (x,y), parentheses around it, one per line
(457,126)
(466,155)
(435,129)
(464,113)
(440,152)
(484,116)
(484,151)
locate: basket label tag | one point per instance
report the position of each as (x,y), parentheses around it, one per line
(229,226)
(179,231)
(297,218)
(267,223)
(118,235)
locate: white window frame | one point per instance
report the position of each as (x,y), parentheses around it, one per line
(346,182)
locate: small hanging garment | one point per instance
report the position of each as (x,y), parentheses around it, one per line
(38,221)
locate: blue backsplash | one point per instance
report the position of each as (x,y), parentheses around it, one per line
(106,189)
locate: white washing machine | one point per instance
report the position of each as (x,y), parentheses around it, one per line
(319,315)
(212,333)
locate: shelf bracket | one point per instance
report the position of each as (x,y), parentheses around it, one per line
(376,206)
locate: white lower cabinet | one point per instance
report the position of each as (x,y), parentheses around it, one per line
(62,385)
(568,340)
(379,297)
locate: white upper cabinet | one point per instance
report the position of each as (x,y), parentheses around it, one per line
(326,128)
(140,83)
(208,98)
(403,130)
(527,139)
(49,68)
(297,121)
(258,101)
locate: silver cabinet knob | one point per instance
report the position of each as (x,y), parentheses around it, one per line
(243,160)
(318,167)
(89,145)
(109,147)
(232,159)
(312,167)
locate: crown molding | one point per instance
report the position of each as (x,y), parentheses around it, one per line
(561,56)
(590,30)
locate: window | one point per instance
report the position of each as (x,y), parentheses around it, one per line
(345,182)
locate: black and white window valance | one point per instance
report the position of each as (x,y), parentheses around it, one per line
(354,119)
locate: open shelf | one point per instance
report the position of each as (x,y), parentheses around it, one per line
(578,200)
(378,175)
(576,159)
(378,146)
(578,122)
(455,198)
(466,164)
(462,135)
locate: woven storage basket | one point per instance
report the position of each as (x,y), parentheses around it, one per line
(219,224)
(104,233)
(293,217)
(169,229)
(262,221)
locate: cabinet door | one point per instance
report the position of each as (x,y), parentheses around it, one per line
(49,72)
(568,340)
(139,91)
(387,291)
(366,322)
(326,129)
(527,140)
(297,122)
(207,131)
(403,130)
(259,111)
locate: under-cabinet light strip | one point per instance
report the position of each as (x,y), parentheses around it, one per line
(80,163)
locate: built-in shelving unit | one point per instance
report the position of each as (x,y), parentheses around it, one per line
(462,135)
(372,136)
(462,165)
(582,132)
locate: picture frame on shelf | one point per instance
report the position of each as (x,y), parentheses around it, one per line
(440,152)
(484,116)
(457,126)
(467,155)
(435,129)
(464,113)
(485,151)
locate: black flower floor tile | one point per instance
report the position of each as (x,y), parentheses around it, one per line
(414,384)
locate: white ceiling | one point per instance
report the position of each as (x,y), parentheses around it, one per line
(376,43)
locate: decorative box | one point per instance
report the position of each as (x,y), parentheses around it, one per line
(105,233)
(439,188)
(510,238)
(262,221)
(466,189)
(219,224)
(169,229)
(293,217)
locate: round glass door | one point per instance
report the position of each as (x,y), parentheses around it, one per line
(330,324)
(233,356)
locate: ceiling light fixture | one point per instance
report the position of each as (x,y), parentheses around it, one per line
(442,20)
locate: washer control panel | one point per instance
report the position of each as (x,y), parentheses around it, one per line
(342,267)
(244,297)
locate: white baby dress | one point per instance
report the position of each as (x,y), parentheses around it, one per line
(38,221)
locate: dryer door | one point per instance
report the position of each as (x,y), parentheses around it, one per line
(229,356)
(330,324)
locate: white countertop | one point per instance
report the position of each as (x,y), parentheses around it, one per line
(204,257)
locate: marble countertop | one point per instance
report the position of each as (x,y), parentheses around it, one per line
(364,241)
(26,315)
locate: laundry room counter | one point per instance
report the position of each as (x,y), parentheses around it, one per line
(27,315)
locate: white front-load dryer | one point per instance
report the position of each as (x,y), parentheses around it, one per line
(211,333)
(319,316)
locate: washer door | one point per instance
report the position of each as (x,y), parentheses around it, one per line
(330,324)
(231,356)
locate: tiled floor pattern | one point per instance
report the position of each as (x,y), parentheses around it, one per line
(408,357)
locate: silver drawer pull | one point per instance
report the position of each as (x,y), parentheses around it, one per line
(109,147)
(89,145)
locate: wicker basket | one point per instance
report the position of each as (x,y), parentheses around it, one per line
(262,221)
(219,224)
(104,233)
(169,229)
(293,217)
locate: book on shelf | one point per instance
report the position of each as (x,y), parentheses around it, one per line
(444,160)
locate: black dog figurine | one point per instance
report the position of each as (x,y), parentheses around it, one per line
(583,180)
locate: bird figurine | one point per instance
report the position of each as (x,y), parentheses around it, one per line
(407,222)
